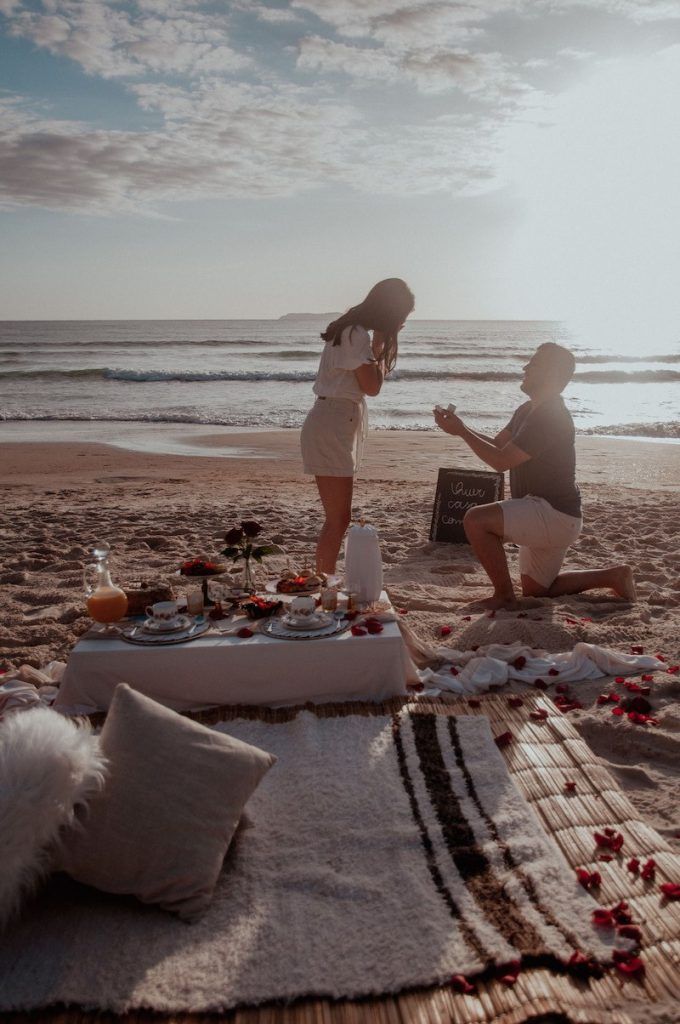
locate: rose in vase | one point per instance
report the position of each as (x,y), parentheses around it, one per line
(240,545)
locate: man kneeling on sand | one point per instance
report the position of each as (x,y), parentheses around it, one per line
(543,516)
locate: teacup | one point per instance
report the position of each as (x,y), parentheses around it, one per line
(302,607)
(162,612)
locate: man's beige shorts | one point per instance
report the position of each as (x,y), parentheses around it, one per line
(542,533)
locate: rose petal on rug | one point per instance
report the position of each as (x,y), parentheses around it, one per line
(381,853)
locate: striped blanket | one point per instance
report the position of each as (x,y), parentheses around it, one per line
(381,853)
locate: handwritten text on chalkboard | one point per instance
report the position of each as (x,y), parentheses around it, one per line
(457,491)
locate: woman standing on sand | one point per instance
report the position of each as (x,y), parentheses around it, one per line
(352,366)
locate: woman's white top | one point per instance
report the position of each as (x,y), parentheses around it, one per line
(336,378)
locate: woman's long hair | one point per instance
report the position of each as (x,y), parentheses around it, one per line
(384,309)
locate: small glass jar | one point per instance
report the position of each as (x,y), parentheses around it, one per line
(329,599)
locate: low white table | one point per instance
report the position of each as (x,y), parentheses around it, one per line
(230,670)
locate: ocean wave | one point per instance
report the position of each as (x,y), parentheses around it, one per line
(665,429)
(159,376)
(133,376)
(383,420)
(588,377)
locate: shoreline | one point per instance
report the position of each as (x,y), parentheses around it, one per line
(203,454)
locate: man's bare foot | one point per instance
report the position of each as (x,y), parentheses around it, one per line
(623,583)
(497,601)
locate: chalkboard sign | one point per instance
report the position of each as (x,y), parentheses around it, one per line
(457,491)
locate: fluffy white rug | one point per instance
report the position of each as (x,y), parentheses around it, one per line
(48,765)
(381,853)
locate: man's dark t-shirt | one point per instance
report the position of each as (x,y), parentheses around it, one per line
(547,435)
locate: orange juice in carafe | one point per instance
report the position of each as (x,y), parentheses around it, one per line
(105,601)
(107,604)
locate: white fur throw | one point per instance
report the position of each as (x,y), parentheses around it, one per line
(48,765)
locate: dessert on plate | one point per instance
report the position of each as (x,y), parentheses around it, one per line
(303,582)
(201,567)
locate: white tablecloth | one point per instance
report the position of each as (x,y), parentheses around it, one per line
(229,670)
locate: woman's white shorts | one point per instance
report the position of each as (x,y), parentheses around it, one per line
(329,437)
(542,533)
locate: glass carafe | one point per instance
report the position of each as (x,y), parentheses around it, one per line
(106,602)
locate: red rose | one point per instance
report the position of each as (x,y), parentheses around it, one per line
(504,740)
(671,890)
(633,866)
(553,671)
(444,630)
(358,631)
(519,662)
(251,528)
(233,536)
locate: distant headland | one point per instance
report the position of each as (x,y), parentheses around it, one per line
(309,316)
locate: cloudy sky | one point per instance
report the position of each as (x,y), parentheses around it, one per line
(215,158)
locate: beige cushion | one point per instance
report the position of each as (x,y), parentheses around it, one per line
(163,822)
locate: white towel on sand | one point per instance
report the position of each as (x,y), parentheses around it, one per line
(492,665)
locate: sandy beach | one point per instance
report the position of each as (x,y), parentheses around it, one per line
(157,509)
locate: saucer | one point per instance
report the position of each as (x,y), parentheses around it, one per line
(172,626)
(310,622)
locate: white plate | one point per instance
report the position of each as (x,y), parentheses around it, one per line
(174,626)
(277,629)
(313,622)
(138,635)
